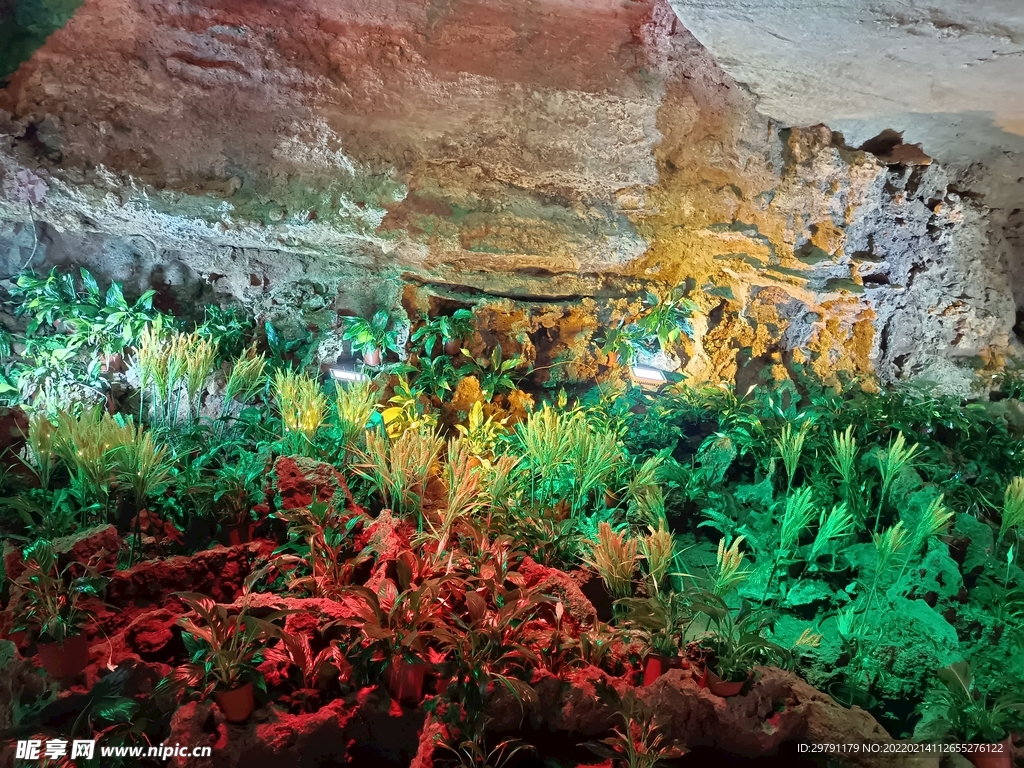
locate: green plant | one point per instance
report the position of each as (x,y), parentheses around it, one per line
(966,713)
(224,644)
(614,557)
(398,469)
(728,573)
(619,342)
(494,373)
(736,638)
(49,605)
(317,558)
(247,376)
(1013,507)
(407,410)
(229,329)
(443,329)
(639,741)
(237,487)
(659,552)
(473,752)
(833,525)
(40,443)
(481,433)
(90,445)
(354,405)
(302,405)
(378,334)
(790,445)
(661,620)
(844,459)
(437,376)
(891,462)
(799,511)
(665,320)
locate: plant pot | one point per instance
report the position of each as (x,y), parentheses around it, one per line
(453,347)
(655,665)
(720,687)
(405,681)
(238,533)
(851,696)
(372,357)
(474,462)
(236,704)
(610,499)
(613,359)
(65,660)
(992,759)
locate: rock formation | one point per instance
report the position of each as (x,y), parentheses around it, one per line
(549,159)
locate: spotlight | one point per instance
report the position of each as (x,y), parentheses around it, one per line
(648,375)
(343,374)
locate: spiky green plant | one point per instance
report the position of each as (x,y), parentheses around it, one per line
(645,476)
(844,459)
(354,404)
(729,564)
(934,522)
(891,462)
(201,355)
(888,544)
(614,557)
(143,465)
(246,377)
(1013,508)
(502,483)
(593,457)
(790,444)
(796,518)
(658,550)
(301,403)
(40,444)
(462,478)
(649,506)
(88,445)
(399,469)
(835,524)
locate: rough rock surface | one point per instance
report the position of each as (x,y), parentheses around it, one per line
(547,159)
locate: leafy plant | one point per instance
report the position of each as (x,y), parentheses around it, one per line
(639,741)
(665,319)
(398,469)
(967,714)
(443,329)
(229,330)
(661,619)
(494,373)
(49,605)
(378,334)
(317,557)
(481,433)
(736,637)
(614,557)
(302,405)
(224,645)
(1013,507)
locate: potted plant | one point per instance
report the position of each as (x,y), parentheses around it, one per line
(481,433)
(224,644)
(618,343)
(48,609)
(450,330)
(238,488)
(394,629)
(372,337)
(962,712)
(665,321)
(736,644)
(661,620)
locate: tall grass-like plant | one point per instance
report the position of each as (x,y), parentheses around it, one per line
(796,518)
(729,572)
(844,460)
(1013,508)
(247,376)
(888,545)
(200,357)
(399,469)
(891,462)
(40,443)
(649,506)
(144,467)
(614,557)
(790,445)
(593,457)
(837,523)
(88,445)
(354,404)
(462,479)
(302,405)
(658,551)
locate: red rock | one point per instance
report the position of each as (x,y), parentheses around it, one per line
(98,545)
(298,480)
(563,587)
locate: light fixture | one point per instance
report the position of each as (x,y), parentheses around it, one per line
(648,375)
(343,374)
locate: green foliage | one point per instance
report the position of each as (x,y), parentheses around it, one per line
(442,329)
(229,329)
(736,637)
(379,333)
(494,373)
(967,714)
(50,602)
(639,740)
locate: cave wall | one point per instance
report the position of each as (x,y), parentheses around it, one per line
(548,159)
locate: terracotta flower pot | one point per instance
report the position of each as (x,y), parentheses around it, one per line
(655,665)
(65,660)
(720,687)
(610,499)
(405,681)
(236,704)
(989,758)
(453,347)
(238,533)
(613,359)
(372,357)
(473,462)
